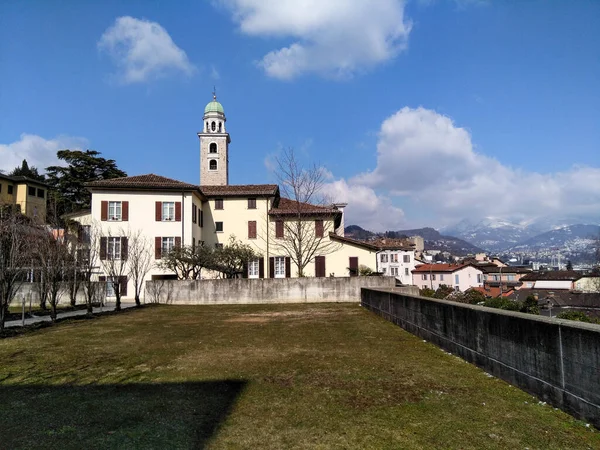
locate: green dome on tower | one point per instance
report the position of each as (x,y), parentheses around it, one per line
(214,106)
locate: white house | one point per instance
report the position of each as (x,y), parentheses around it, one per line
(396,258)
(458,276)
(170,213)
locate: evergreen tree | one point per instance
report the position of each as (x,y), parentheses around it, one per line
(26,171)
(67,183)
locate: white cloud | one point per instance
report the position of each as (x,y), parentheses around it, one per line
(424,156)
(334,37)
(365,207)
(38,152)
(142,50)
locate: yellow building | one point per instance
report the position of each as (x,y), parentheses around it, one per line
(27,195)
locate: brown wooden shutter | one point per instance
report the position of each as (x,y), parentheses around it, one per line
(252,229)
(158,211)
(201,218)
(177,241)
(177,211)
(288,267)
(261,268)
(157,247)
(271,267)
(279,229)
(124,211)
(319,266)
(104,210)
(194,213)
(123,286)
(245,269)
(124,249)
(319,228)
(101,278)
(103,248)
(353,266)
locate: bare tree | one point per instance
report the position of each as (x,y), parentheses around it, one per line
(305,218)
(53,258)
(87,254)
(15,253)
(139,261)
(114,251)
(187,262)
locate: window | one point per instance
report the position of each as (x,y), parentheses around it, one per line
(406,258)
(212,164)
(218,227)
(253,268)
(479,278)
(218,245)
(168,211)
(433,277)
(384,258)
(441,277)
(31,191)
(40,193)
(114,211)
(194,213)
(113,249)
(394,257)
(220,126)
(85,234)
(279,229)
(456,279)
(394,271)
(110,287)
(252,229)
(319,230)
(193,243)
(424,276)
(213,126)
(168,243)
(218,203)
(251,203)
(10,189)
(212,148)
(279,267)
(510,277)
(406,271)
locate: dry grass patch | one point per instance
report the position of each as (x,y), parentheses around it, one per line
(259,376)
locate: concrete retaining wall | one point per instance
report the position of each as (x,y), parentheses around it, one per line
(30,289)
(556,360)
(268,290)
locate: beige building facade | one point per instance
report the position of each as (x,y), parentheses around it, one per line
(27,195)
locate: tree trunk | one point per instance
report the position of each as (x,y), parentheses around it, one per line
(53,311)
(137,300)
(118,301)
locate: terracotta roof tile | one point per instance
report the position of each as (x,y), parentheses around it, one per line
(351,241)
(393,244)
(233,190)
(148,181)
(287,206)
(446,268)
(553,275)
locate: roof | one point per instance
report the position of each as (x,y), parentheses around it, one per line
(233,190)
(553,275)
(214,106)
(145,182)
(506,269)
(437,268)
(356,242)
(72,215)
(287,207)
(560,298)
(19,179)
(494,291)
(393,244)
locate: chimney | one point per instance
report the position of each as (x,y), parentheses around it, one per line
(340,229)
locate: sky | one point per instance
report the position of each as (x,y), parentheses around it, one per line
(423,112)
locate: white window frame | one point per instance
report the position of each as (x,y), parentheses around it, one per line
(110,287)
(115,211)
(406,258)
(254,268)
(168,211)
(384,258)
(406,271)
(279,266)
(167,244)
(113,248)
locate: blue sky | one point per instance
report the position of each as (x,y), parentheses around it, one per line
(423,112)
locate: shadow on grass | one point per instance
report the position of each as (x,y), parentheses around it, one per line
(148,416)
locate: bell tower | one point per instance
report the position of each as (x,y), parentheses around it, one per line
(214,146)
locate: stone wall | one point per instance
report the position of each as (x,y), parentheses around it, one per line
(268,290)
(556,360)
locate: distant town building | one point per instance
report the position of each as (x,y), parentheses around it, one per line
(458,276)
(26,195)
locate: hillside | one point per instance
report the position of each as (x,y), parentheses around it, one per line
(432,238)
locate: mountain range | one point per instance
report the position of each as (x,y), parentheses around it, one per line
(432,238)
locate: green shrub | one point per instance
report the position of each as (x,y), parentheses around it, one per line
(426,292)
(443,291)
(472,297)
(503,303)
(580,316)
(530,305)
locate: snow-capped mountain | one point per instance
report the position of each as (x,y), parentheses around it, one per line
(496,235)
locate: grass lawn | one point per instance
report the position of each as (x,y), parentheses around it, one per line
(259,377)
